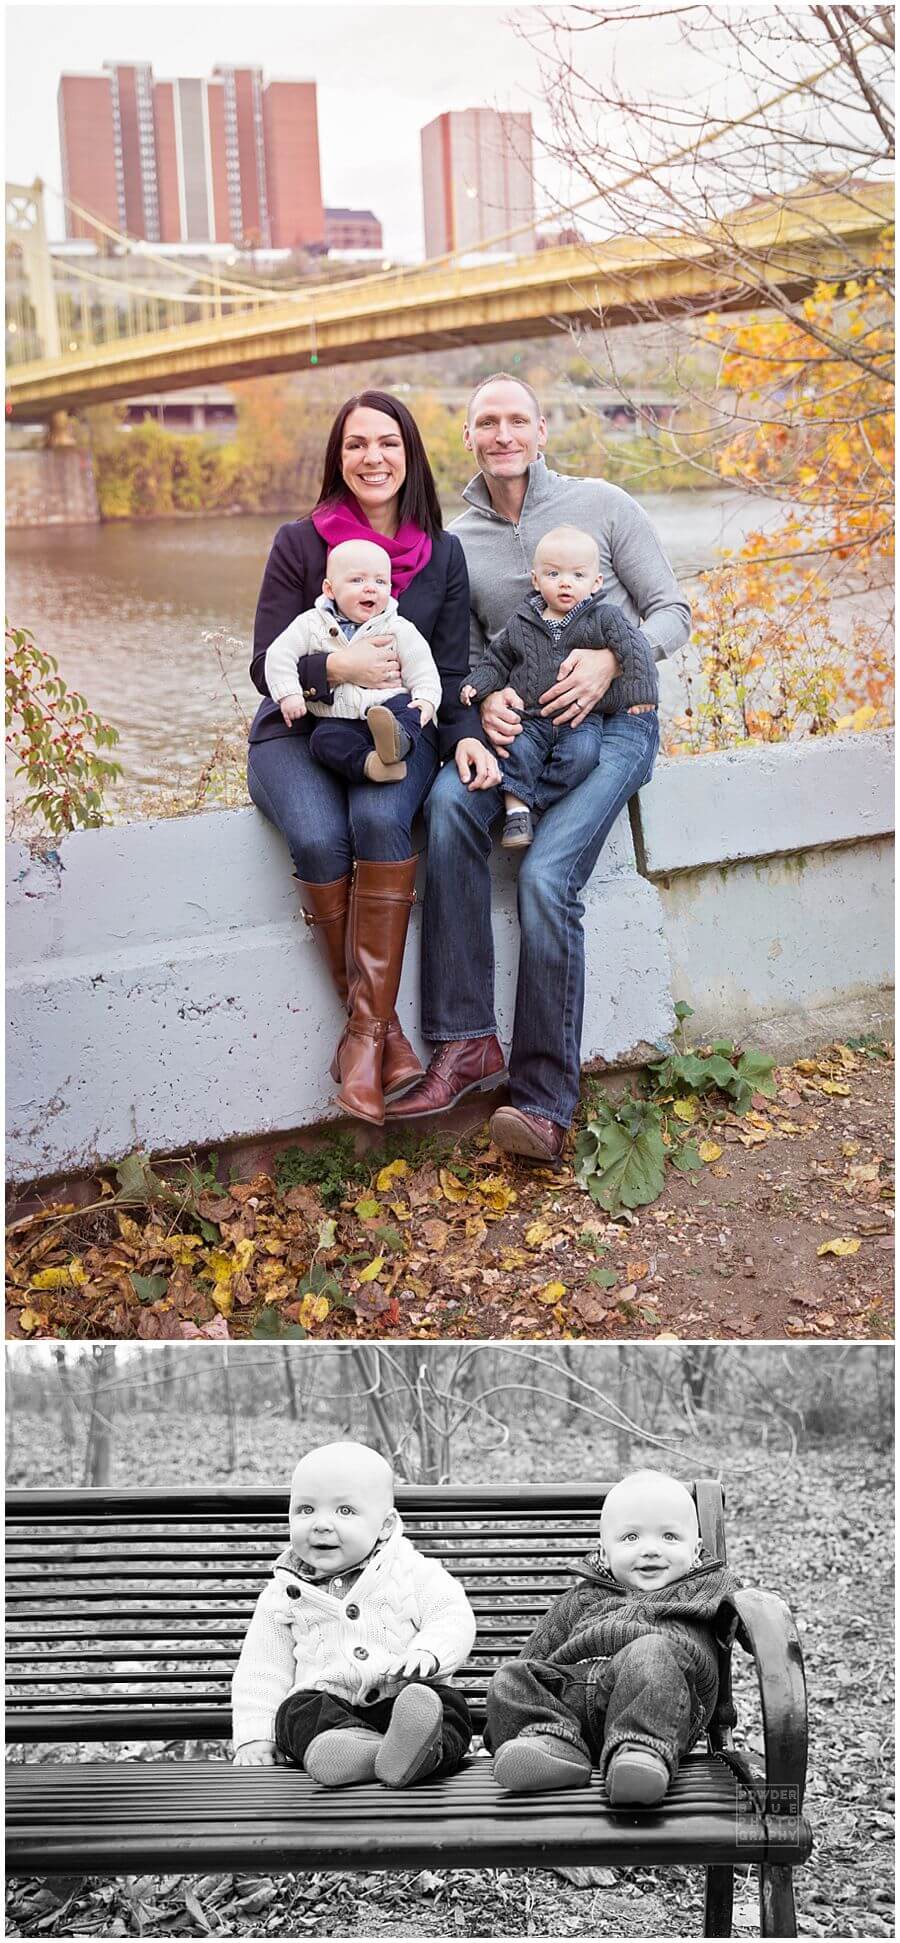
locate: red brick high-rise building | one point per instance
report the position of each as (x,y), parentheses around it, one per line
(477,180)
(223,160)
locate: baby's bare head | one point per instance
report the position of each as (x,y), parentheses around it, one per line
(342,1501)
(566,567)
(649,1533)
(358,579)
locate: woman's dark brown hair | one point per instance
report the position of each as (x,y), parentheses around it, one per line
(418,494)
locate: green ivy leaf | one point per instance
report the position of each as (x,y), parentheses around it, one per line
(271,1325)
(149,1288)
(628,1165)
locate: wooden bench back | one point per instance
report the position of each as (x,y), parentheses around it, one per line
(126,1609)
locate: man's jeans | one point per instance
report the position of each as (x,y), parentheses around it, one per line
(458,946)
(343,743)
(545,762)
(643,1695)
(304,1715)
(328,822)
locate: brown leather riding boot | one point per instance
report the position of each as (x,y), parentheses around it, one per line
(325,910)
(381,898)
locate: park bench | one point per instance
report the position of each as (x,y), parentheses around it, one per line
(126,1611)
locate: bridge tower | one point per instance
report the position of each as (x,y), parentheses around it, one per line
(26,230)
(27,233)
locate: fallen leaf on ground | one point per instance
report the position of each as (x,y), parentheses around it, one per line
(394,1171)
(842,1245)
(551,1293)
(372,1269)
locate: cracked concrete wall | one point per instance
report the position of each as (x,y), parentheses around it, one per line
(164,991)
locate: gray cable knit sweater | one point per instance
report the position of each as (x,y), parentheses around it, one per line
(637,577)
(528,653)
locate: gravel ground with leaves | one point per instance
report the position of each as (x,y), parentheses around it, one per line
(674,1215)
(799,1527)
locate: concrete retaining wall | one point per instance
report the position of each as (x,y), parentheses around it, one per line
(164,992)
(51,489)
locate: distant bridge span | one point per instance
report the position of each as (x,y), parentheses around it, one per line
(625,281)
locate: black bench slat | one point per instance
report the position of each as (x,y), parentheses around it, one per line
(201,1816)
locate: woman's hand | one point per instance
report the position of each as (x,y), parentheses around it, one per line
(255,1754)
(582,682)
(500,714)
(371,663)
(476,767)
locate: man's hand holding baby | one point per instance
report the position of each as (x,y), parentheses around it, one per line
(293,708)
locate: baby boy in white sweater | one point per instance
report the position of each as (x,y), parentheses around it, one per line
(365,734)
(345,1666)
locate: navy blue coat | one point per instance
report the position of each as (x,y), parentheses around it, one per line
(436,602)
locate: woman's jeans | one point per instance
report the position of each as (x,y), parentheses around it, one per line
(643,1695)
(304,1715)
(327,822)
(458,946)
(546,762)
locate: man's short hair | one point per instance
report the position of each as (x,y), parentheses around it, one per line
(504,378)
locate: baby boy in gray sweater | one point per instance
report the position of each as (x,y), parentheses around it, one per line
(565,611)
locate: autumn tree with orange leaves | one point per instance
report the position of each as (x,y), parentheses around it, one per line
(793,631)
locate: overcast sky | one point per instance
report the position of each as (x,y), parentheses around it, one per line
(382,73)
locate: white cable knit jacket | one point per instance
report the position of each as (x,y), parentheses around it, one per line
(302,1638)
(317,631)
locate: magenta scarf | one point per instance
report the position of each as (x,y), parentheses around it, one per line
(409,551)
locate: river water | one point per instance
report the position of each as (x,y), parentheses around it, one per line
(124,608)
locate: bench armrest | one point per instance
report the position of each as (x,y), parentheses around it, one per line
(774,1642)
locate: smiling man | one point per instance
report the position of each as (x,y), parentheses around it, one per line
(513,500)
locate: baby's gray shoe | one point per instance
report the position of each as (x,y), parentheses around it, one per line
(383,772)
(518,830)
(636,1777)
(413,1745)
(537,1761)
(343,1755)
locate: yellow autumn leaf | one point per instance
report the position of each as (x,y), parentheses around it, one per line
(313,1309)
(394,1171)
(452,1189)
(372,1269)
(495,1194)
(30,1319)
(224,1267)
(71,1274)
(708,1151)
(686,1109)
(834,1086)
(537,1233)
(475,1227)
(841,1245)
(129,1229)
(551,1293)
(366,1210)
(242,1254)
(399,1208)
(512,1258)
(223,1298)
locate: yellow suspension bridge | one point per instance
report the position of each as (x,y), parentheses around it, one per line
(784,246)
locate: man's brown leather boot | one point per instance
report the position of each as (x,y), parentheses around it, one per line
(381,899)
(325,909)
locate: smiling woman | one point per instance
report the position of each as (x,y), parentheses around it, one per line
(368,675)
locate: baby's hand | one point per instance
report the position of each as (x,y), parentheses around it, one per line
(293,707)
(255,1754)
(467,694)
(426,712)
(417,1665)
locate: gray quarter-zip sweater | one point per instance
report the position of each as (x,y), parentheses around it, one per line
(637,576)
